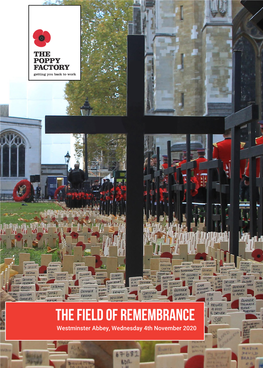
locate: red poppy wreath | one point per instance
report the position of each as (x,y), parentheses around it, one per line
(22,190)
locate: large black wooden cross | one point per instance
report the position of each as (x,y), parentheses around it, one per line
(135,125)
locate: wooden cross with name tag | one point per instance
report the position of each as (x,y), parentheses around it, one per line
(135,125)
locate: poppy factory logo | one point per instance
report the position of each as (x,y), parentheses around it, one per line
(41,38)
(50,56)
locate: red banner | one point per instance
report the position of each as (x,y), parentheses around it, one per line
(104,321)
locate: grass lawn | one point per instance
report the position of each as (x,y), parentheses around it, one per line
(20,212)
(35,254)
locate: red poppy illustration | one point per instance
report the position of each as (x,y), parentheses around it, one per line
(201,256)
(76,218)
(98,261)
(196,361)
(87,218)
(65,218)
(19,236)
(81,244)
(74,235)
(39,236)
(257,254)
(41,38)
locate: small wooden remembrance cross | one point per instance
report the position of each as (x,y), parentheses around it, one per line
(135,125)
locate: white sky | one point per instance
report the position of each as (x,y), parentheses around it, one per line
(13,43)
(14,78)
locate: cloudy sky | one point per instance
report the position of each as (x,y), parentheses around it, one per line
(13,41)
(15,89)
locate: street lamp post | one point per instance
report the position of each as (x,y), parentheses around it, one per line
(86,110)
(67,158)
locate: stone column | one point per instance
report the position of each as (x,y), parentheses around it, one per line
(217,60)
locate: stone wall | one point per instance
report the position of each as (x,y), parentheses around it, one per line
(188,57)
(164,50)
(187,70)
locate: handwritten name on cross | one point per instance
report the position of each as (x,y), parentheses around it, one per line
(134,125)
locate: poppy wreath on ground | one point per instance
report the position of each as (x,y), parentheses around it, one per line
(27,193)
(58,190)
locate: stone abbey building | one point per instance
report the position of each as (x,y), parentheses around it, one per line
(189,53)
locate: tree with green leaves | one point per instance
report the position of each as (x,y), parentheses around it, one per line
(103,71)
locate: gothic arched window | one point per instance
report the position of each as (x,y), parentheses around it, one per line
(12,155)
(249,40)
(248,72)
